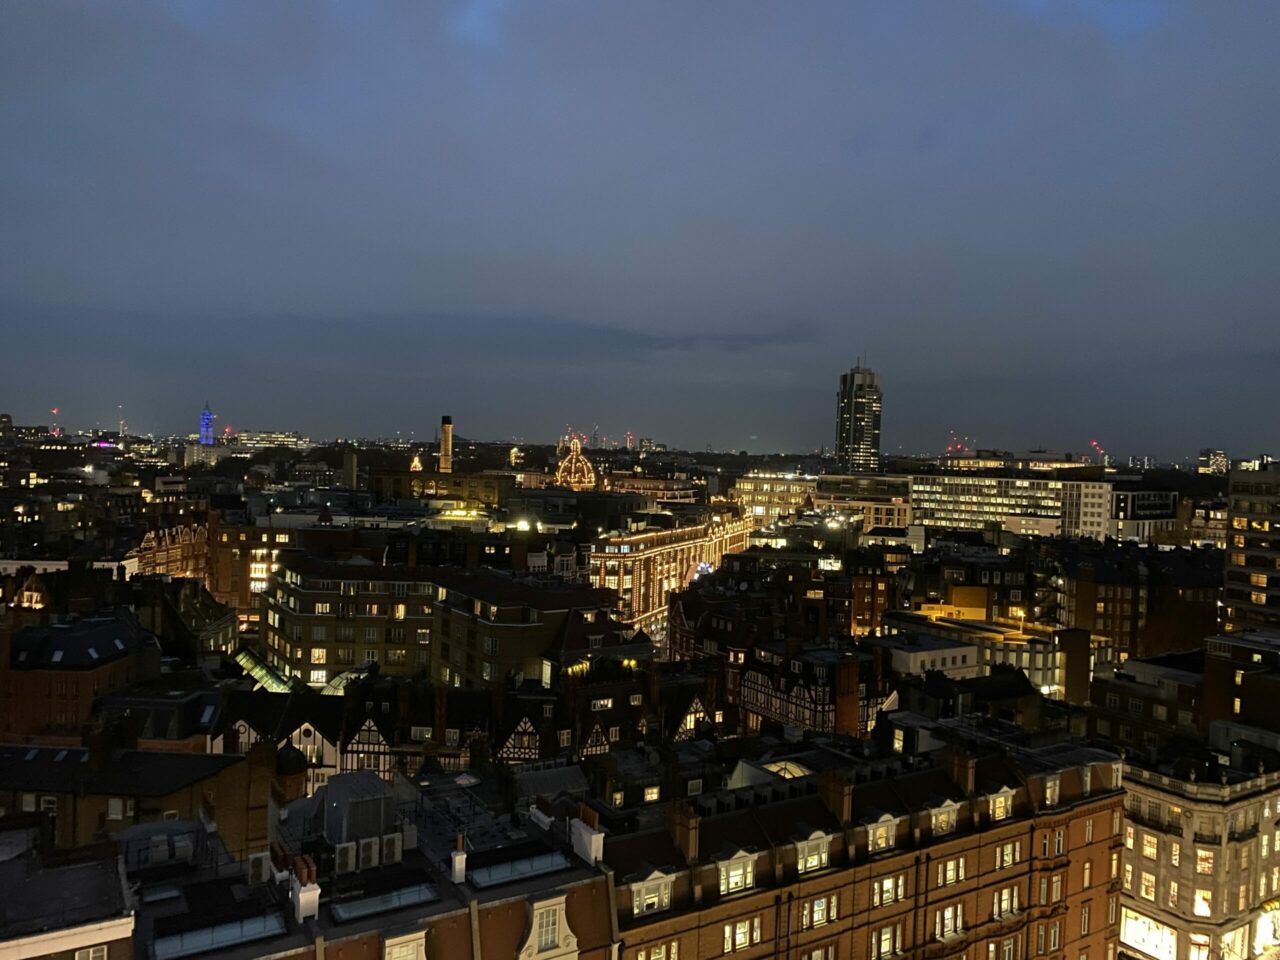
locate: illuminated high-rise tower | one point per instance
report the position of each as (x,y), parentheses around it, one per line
(445,464)
(206,426)
(858,420)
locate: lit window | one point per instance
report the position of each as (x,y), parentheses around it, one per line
(1204,862)
(651,794)
(1203,905)
(943,819)
(737,875)
(1001,806)
(652,896)
(1147,886)
(1150,846)
(812,854)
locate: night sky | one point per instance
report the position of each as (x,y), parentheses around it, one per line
(1044,222)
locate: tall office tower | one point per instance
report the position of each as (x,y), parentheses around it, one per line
(1212,462)
(858,420)
(446,445)
(206,426)
(1252,588)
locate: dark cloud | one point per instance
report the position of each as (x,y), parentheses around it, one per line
(1043,221)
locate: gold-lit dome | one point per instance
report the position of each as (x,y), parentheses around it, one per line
(575,470)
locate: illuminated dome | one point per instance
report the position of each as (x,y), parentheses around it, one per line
(416,465)
(575,470)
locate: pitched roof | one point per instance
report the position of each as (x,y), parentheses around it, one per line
(126,773)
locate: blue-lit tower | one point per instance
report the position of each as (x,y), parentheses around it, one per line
(206,426)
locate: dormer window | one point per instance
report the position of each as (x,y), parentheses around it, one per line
(550,937)
(813,854)
(1086,780)
(652,895)
(1052,788)
(738,874)
(1001,804)
(882,835)
(944,818)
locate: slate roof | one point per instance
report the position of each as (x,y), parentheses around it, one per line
(77,645)
(126,773)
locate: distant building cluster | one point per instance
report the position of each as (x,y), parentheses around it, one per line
(267,697)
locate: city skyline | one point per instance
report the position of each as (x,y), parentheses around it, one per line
(709,243)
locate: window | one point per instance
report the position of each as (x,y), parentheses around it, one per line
(1052,787)
(1147,886)
(1173,894)
(881,836)
(1055,935)
(741,934)
(737,875)
(1004,902)
(614,734)
(1204,862)
(886,941)
(950,871)
(548,929)
(605,703)
(1175,852)
(1128,836)
(1084,920)
(1203,905)
(652,896)
(1087,869)
(115,808)
(948,921)
(695,788)
(1056,886)
(1150,846)
(812,854)
(565,738)
(1088,830)
(889,889)
(98,952)
(814,913)
(1007,854)
(1115,864)
(652,794)
(1128,876)
(944,819)
(1001,805)
(1058,841)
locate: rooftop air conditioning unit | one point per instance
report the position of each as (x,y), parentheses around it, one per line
(344,858)
(183,849)
(369,852)
(260,868)
(392,848)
